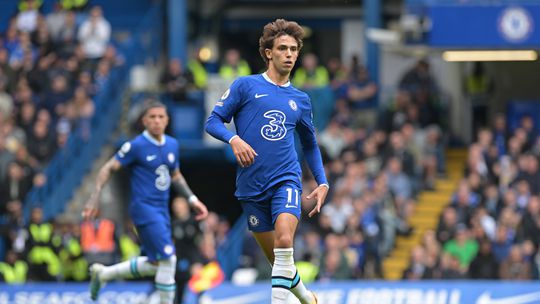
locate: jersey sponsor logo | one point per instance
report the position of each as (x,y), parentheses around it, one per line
(150,157)
(170,157)
(260,95)
(124,149)
(253,221)
(225,95)
(163,181)
(293,105)
(275,129)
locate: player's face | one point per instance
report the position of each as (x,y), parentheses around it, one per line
(155,121)
(284,54)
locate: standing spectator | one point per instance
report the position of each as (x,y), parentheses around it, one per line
(94,35)
(43,263)
(310,74)
(27,17)
(234,66)
(362,98)
(66,38)
(186,234)
(176,80)
(13,270)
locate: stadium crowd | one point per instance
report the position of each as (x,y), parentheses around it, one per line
(378,157)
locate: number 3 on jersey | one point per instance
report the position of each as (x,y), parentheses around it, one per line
(163,181)
(290,198)
(275,129)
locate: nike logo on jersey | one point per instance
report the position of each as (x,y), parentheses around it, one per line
(150,157)
(260,95)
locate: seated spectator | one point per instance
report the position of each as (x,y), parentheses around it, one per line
(462,246)
(484,266)
(514,267)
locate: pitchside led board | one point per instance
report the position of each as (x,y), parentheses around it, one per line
(485,26)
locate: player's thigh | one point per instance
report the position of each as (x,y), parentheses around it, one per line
(287,199)
(259,216)
(156,240)
(286,210)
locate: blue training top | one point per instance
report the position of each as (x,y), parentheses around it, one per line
(151,163)
(266,116)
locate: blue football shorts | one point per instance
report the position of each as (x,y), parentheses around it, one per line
(263,210)
(156,240)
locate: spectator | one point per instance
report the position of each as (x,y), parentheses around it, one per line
(94,35)
(514,267)
(41,143)
(484,266)
(177,81)
(310,74)
(43,263)
(28,15)
(462,247)
(234,66)
(362,99)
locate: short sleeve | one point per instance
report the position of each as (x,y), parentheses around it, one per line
(126,155)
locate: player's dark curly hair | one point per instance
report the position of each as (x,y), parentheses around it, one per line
(277,29)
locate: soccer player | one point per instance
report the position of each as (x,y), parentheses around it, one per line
(153,159)
(267,110)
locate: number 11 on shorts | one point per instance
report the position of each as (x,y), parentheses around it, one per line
(289,198)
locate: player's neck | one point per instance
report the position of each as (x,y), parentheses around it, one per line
(158,137)
(276,77)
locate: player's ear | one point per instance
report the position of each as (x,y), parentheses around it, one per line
(268,53)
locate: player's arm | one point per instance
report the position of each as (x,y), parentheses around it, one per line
(312,154)
(92,205)
(179,184)
(223,113)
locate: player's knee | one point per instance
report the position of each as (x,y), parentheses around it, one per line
(283,241)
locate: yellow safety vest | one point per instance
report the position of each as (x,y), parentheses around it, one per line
(318,79)
(128,247)
(307,271)
(228,72)
(15,274)
(200,75)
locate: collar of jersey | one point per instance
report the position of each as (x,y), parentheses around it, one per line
(153,140)
(265,76)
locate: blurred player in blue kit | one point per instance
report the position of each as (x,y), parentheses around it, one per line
(153,158)
(267,110)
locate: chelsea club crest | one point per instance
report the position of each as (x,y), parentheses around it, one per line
(515,24)
(292,104)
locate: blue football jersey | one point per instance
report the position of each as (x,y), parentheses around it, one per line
(266,116)
(151,164)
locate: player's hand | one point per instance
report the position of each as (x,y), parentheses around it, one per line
(91,208)
(200,209)
(320,195)
(245,155)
